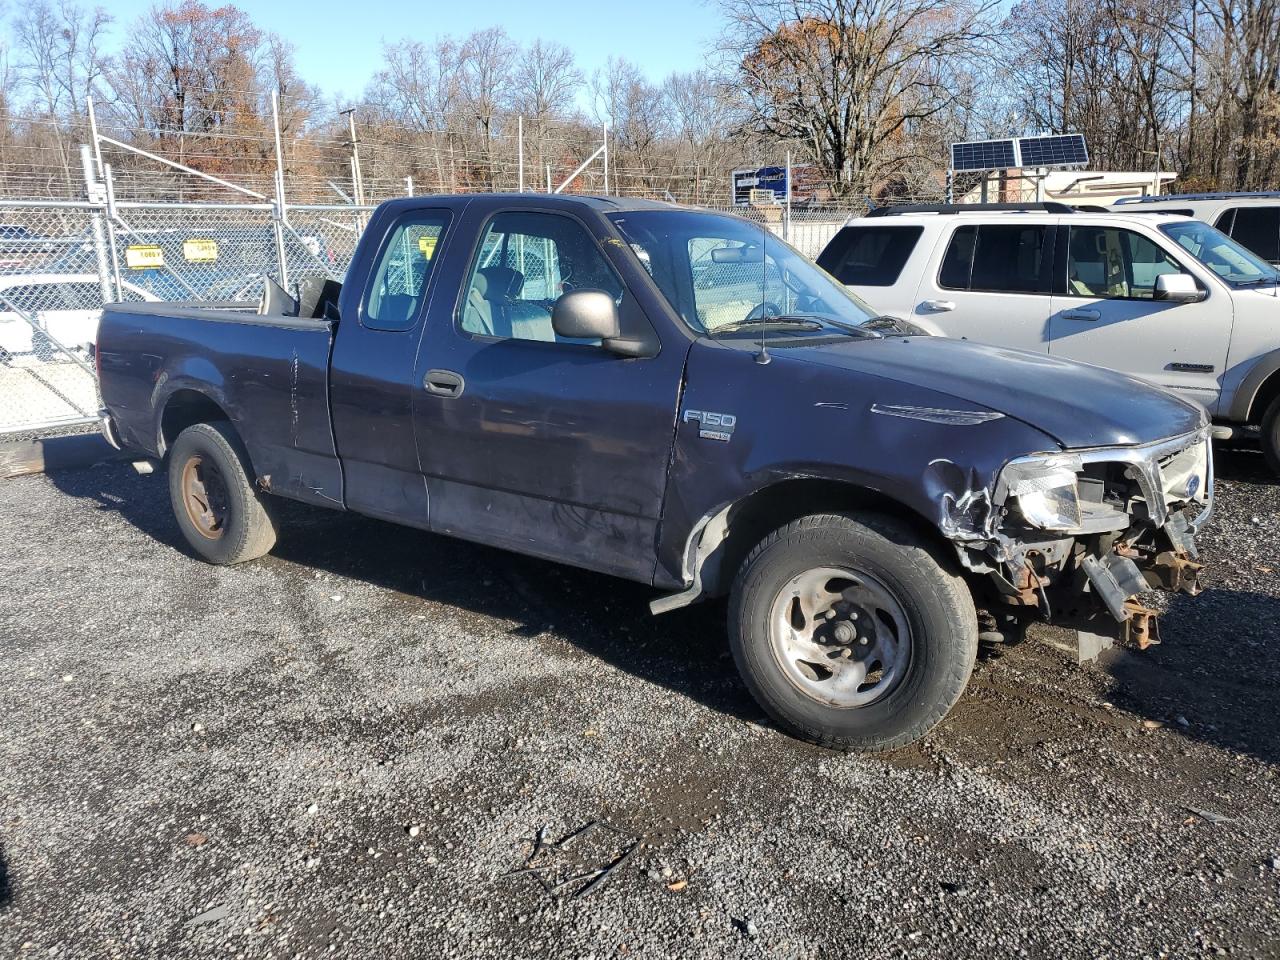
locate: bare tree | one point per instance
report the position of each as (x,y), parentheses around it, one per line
(485,87)
(1242,38)
(703,114)
(419,91)
(59,61)
(545,84)
(849,79)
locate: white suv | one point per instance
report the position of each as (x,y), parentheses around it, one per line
(1250,219)
(1166,298)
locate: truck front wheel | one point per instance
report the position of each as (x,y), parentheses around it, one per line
(211,486)
(851,632)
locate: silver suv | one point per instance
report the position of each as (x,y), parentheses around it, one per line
(1166,298)
(1250,219)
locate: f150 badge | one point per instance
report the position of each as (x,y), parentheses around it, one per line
(712,426)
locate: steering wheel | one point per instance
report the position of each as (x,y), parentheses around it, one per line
(766,309)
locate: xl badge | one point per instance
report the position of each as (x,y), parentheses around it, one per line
(712,426)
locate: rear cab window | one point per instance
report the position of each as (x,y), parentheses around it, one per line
(870,256)
(402,271)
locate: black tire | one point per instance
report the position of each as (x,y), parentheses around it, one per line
(236,524)
(934,602)
(1271,435)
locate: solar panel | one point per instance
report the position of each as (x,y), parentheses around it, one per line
(983,155)
(1059,151)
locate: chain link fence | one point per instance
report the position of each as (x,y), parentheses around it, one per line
(60,261)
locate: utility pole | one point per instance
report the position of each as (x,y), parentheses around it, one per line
(357,179)
(786,222)
(520,153)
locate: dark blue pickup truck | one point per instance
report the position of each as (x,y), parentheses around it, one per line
(679,398)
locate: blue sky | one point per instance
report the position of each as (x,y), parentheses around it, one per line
(339,43)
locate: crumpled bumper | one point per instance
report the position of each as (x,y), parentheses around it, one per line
(1151,501)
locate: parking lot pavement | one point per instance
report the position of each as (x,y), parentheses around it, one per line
(347,748)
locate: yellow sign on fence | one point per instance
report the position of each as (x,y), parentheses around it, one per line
(144,256)
(200,251)
(427,245)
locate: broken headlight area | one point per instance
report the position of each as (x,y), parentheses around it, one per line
(1076,537)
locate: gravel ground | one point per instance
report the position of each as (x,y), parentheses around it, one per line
(345,749)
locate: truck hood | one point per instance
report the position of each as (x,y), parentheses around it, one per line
(1077,404)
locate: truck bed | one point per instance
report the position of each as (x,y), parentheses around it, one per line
(160,362)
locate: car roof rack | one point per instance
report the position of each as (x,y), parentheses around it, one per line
(895,210)
(1182,197)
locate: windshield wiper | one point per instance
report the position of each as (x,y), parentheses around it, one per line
(773,323)
(1256,281)
(806,321)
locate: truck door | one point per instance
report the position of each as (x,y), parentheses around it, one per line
(531,441)
(371,378)
(993,284)
(1108,314)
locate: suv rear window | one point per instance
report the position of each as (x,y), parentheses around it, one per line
(1257,228)
(998,258)
(869,256)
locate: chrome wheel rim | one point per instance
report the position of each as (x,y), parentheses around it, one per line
(204,495)
(840,636)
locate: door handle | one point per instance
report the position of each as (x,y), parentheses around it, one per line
(444,383)
(939,306)
(1090,315)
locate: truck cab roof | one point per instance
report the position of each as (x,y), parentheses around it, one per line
(548,200)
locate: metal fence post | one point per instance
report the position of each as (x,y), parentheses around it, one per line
(109,183)
(279,213)
(96,195)
(277,223)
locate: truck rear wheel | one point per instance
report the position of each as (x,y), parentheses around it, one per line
(851,632)
(211,486)
(1271,435)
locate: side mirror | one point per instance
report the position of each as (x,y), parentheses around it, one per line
(1178,288)
(585,315)
(593,315)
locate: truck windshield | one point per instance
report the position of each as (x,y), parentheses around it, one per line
(1232,262)
(728,277)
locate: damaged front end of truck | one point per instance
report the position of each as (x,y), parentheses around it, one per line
(1076,537)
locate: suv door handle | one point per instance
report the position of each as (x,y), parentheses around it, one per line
(444,383)
(939,306)
(1089,315)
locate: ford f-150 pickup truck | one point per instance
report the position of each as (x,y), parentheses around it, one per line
(679,398)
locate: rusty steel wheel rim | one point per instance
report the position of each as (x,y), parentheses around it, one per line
(204,495)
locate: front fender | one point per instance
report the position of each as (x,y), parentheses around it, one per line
(1242,400)
(797,420)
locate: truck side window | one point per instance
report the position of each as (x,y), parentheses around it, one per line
(403,269)
(869,256)
(526,262)
(1115,263)
(1257,228)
